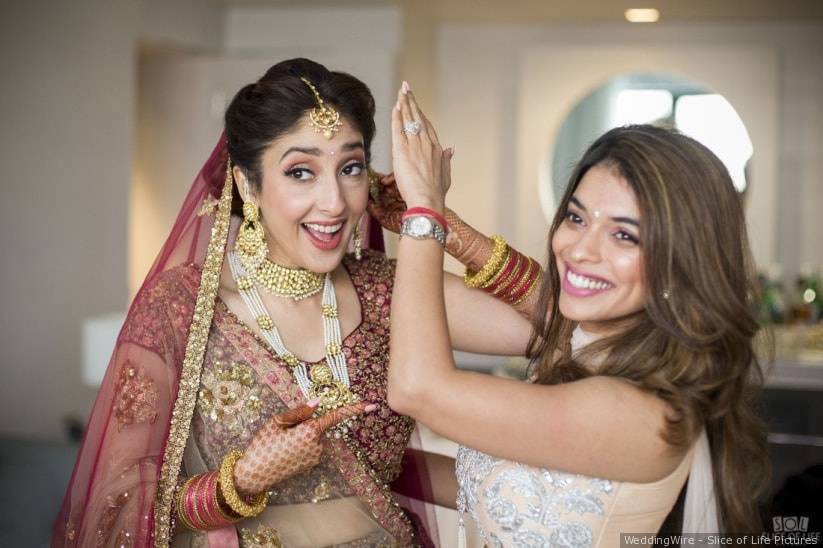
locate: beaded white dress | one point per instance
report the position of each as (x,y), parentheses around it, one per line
(515,505)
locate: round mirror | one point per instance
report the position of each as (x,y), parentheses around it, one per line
(644,98)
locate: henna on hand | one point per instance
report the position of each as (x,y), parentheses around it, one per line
(467,244)
(388,206)
(288,444)
(472,248)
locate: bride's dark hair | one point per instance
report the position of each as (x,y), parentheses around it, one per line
(692,345)
(264,110)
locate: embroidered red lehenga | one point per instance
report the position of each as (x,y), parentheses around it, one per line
(188,382)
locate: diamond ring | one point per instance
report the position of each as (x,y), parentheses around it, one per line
(412,128)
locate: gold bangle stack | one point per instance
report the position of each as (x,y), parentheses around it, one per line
(238,504)
(507,275)
(492,268)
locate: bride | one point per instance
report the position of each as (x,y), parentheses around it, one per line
(245,401)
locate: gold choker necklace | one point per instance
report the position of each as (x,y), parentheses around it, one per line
(284,281)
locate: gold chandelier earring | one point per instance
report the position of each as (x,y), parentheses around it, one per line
(358,242)
(251,245)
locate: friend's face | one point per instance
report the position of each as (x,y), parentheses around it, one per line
(598,253)
(313,193)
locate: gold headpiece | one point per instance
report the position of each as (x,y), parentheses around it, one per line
(325,119)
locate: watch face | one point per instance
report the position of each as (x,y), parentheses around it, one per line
(419,226)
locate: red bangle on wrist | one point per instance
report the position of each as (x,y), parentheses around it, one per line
(529,279)
(519,269)
(426,212)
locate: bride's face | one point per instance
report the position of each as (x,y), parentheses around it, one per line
(314,191)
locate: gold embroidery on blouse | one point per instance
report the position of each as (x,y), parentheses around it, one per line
(264,537)
(390,515)
(230,395)
(136,396)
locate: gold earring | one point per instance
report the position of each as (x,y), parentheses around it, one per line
(251,245)
(358,243)
(374,185)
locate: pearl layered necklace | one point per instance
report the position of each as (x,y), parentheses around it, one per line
(327,380)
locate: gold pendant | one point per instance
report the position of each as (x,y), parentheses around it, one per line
(333,394)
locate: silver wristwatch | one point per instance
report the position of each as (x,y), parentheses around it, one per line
(421,227)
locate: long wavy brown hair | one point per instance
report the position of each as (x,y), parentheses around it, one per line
(693,343)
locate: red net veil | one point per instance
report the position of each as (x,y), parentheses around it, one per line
(122,488)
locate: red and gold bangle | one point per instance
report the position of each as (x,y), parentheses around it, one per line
(528,292)
(426,212)
(535,282)
(222,514)
(518,265)
(504,275)
(182,496)
(198,505)
(187,504)
(206,497)
(194,508)
(528,285)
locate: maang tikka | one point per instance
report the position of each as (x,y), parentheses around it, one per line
(324,119)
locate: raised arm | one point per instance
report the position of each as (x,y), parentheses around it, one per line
(493,317)
(599,426)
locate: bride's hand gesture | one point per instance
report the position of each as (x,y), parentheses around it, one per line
(287,445)
(422,168)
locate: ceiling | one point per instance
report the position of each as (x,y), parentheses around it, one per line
(578,11)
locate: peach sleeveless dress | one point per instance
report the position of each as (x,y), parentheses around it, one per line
(515,505)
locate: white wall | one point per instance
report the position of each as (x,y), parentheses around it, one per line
(68,106)
(488,83)
(195,25)
(66,102)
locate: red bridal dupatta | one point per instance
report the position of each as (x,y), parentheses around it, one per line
(123,486)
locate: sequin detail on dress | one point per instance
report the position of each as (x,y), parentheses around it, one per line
(136,396)
(229,393)
(524,506)
(262,537)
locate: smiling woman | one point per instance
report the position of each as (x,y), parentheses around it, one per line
(233,412)
(597,251)
(644,372)
(245,402)
(313,191)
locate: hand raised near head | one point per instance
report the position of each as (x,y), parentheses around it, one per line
(421,166)
(385,203)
